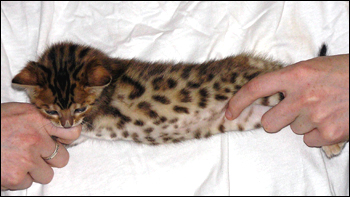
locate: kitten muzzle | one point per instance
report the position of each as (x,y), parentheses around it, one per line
(66,118)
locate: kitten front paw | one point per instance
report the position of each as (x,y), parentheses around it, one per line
(333,150)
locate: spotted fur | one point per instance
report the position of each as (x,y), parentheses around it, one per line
(152,103)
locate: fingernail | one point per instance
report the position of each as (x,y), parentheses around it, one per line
(228,114)
(265,128)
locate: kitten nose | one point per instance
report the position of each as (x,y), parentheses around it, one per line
(67,125)
(66,119)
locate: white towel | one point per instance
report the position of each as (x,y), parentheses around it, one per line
(235,163)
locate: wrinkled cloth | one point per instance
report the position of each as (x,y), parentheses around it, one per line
(234,163)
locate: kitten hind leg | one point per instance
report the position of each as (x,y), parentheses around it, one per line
(333,150)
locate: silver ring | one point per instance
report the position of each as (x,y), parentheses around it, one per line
(53,154)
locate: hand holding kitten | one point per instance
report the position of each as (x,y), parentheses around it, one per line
(25,141)
(316,102)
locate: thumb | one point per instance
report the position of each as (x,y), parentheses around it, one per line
(65,136)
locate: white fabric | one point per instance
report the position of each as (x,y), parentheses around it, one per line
(235,163)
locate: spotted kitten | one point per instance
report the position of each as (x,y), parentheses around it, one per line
(152,103)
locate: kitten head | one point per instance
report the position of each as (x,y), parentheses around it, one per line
(65,82)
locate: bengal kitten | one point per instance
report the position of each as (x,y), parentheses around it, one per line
(147,102)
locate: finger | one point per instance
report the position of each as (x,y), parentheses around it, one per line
(314,139)
(302,124)
(42,173)
(65,136)
(261,86)
(332,131)
(280,116)
(60,159)
(25,183)
(318,137)
(64,141)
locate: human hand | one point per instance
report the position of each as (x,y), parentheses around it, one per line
(25,140)
(316,102)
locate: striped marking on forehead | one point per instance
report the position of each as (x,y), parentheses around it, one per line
(65,61)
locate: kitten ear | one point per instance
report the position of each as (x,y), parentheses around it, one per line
(29,77)
(97,74)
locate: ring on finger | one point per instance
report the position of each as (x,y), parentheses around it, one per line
(54,153)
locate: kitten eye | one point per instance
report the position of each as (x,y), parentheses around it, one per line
(80,110)
(51,112)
